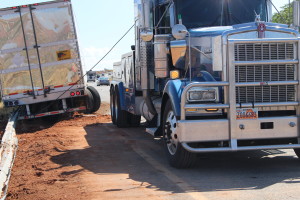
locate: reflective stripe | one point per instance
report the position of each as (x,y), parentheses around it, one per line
(40,115)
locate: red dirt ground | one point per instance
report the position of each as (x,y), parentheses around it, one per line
(35,176)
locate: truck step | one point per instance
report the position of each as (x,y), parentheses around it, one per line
(153,131)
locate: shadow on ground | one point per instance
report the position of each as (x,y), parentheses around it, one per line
(113,150)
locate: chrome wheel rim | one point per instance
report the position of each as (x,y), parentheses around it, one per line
(170,133)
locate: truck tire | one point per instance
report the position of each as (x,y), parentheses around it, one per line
(297,152)
(96,98)
(134,120)
(112,105)
(122,116)
(177,156)
(89,102)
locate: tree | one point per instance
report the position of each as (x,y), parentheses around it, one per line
(285,16)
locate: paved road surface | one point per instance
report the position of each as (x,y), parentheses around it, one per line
(130,164)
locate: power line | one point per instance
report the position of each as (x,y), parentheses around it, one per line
(277,10)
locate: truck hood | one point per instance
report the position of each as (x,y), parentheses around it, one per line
(219,30)
(209,31)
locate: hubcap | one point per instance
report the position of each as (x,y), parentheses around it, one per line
(170,133)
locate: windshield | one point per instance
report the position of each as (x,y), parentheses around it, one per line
(205,13)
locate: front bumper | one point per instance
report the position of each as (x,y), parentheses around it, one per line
(191,131)
(218,130)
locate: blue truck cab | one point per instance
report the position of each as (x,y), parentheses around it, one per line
(210,76)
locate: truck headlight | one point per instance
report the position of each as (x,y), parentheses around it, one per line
(202,94)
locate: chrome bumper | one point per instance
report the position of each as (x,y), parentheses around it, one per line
(190,131)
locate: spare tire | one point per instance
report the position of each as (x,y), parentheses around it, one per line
(96,99)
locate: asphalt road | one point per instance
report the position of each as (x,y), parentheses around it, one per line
(129,164)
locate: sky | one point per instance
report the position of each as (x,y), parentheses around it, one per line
(100,24)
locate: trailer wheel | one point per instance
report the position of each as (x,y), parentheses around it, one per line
(89,102)
(121,115)
(178,157)
(297,152)
(112,106)
(96,98)
(135,120)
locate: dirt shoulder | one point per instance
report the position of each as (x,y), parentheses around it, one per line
(41,169)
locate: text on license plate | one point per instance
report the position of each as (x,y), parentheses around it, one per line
(246,113)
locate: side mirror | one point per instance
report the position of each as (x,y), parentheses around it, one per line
(179,31)
(147,33)
(296,14)
(146,36)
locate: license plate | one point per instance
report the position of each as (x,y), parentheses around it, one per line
(246,113)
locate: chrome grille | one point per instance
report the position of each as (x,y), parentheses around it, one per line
(264,51)
(260,94)
(265,73)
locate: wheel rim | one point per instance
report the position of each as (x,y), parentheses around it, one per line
(170,133)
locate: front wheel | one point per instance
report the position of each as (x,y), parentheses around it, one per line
(178,157)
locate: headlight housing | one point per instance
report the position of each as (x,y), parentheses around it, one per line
(197,94)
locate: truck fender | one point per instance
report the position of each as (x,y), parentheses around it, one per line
(174,88)
(173,91)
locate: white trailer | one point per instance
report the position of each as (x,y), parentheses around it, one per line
(40,62)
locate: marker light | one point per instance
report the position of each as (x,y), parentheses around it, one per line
(174,74)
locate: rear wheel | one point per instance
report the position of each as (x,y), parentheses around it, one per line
(96,99)
(112,106)
(178,157)
(121,115)
(89,102)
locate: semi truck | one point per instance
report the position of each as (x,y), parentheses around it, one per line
(40,63)
(210,76)
(91,76)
